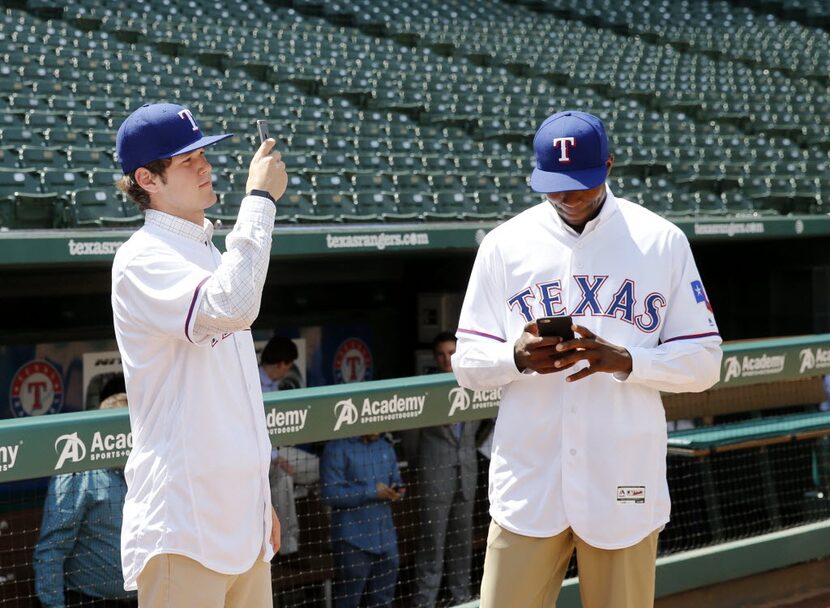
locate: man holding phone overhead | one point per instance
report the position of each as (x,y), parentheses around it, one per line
(579,458)
(198,526)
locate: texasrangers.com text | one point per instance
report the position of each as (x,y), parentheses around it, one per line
(377,241)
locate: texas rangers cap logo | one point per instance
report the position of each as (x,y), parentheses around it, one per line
(571,150)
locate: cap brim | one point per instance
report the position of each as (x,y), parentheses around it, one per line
(585,179)
(204,142)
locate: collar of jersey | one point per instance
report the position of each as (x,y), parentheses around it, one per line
(608,209)
(178,226)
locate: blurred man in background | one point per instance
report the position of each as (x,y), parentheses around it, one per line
(445,462)
(77,560)
(359,481)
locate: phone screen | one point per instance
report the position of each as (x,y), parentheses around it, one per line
(555,326)
(262,129)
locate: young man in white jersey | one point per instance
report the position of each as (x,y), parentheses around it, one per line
(198,527)
(579,458)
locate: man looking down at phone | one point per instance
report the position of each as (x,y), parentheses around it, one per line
(198,526)
(579,458)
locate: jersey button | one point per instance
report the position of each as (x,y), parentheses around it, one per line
(573,452)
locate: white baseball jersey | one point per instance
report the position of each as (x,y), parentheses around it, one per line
(197,475)
(590,454)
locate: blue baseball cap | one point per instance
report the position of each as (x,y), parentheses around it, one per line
(571,149)
(156,131)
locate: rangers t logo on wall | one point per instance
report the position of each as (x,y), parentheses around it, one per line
(36,389)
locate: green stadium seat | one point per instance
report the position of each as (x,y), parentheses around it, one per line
(447,181)
(63,181)
(21,136)
(372,164)
(295,203)
(35,210)
(337,162)
(89,157)
(411,206)
(373,183)
(452,203)
(490,204)
(413,183)
(103,178)
(98,208)
(327,183)
(378,204)
(472,166)
(17,180)
(336,204)
(43,157)
(62,137)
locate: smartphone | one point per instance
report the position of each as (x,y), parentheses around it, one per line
(262,129)
(555,326)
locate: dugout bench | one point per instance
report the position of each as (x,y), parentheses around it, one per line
(753,443)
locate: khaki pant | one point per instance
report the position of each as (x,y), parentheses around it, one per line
(527,572)
(175,581)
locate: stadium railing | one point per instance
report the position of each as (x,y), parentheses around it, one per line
(762,405)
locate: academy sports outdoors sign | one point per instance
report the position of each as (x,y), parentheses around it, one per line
(773,360)
(40,446)
(67,443)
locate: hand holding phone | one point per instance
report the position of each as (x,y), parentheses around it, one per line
(267,171)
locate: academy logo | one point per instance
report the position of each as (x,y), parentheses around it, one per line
(290,421)
(8,456)
(104,446)
(747,367)
(346,413)
(814,359)
(352,362)
(36,389)
(461,399)
(378,410)
(72,449)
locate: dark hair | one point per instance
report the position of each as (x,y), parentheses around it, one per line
(279,350)
(444,336)
(136,193)
(113,386)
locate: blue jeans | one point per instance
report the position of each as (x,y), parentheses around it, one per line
(360,573)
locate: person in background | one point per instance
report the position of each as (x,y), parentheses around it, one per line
(359,481)
(77,559)
(275,362)
(292,469)
(446,466)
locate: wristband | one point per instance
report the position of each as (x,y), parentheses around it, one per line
(263,193)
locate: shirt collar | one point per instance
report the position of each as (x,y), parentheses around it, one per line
(267,384)
(179,226)
(609,207)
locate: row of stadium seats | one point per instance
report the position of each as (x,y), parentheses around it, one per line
(441,115)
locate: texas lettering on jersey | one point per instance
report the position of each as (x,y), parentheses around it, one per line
(545,298)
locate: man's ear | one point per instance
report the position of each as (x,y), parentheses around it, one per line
(609,163)
(147,179)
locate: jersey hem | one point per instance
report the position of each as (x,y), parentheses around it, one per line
(598,545)
(131,584)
